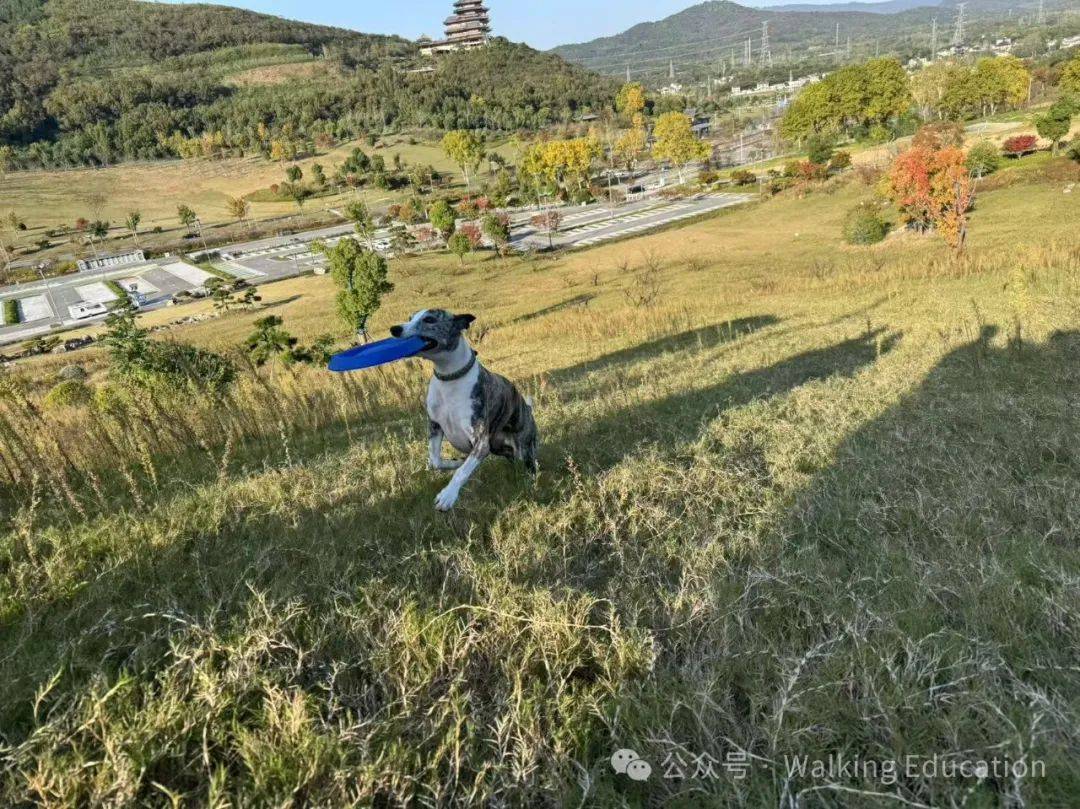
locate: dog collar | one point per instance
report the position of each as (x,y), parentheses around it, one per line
(454,377)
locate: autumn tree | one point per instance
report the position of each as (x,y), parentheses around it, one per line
(631,100)
(238,208)
(548,222)
(933,189)
(1070,78)
(465,149)
(675,141)
(629,147)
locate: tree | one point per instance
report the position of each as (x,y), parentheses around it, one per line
(631,100)
(549,222)
(933,189)
(465,149)
(497,228)
(1070,78)
(363,223)
(675,141)
(1055,124)
(294,174)
(361,277)
(97,230)
(983,159)
(132,224)
(186,216)
(632,143)
(820,150)
(1000,82)
(401,239)
(298,193)
(318,175)
(443,218)
(270,341)
(460,245)
(1073,152)
(238,208)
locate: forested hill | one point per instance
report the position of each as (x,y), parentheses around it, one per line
(710,31)
(104,81)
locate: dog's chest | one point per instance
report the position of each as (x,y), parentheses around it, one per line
(452,405)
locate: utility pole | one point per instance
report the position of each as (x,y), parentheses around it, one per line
(671,69)
(766,52)
(958,34)
(849,47)
(933,41)
(628,74)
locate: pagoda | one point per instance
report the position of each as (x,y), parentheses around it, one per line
(467,28)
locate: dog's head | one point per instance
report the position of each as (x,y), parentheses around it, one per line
(440,328)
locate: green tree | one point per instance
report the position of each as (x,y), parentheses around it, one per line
(270,341)
(820,150)
(186,216)
(298,193)
(675,141)
(464,148)
(318,175)
(443,218)
(983,159)
(460,245)
(362,279)
(1055,124)
(294,174)
(363,222)
(497,228)
(1070,78)
(98,230)
(134,218)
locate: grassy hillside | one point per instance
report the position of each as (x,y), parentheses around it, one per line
(813,500)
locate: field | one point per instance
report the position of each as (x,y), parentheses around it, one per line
(46,198)
(797,499)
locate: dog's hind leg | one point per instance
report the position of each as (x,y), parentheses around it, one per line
(448,497)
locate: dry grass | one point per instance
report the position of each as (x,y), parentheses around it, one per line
(812,500)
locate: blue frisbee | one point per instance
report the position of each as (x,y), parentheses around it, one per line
(373,355)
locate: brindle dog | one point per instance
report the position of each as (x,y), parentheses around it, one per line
(478,412)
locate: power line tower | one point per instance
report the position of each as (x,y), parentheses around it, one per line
(958,33)
(749,56)
(1041,19)
(765,57)
(933,41)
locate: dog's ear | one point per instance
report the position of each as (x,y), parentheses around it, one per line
(464,321)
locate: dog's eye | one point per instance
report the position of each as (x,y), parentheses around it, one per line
(429,319)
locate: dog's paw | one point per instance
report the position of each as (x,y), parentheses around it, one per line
(447,499)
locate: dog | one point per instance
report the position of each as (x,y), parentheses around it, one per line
(478,412)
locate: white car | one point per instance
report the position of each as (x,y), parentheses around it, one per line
(85,311)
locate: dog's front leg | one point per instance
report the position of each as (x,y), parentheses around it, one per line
(435,457)
(448,497)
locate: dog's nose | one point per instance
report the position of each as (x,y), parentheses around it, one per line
(397,331)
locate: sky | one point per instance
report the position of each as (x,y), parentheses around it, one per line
(540,24)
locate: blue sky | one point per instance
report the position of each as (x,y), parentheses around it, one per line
(541,24)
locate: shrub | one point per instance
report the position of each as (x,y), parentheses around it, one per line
(11,312)
(840,161)
(1020,145)
(864,224)
(1073,150)
(983,159)
(70,393)
(939,135)
(72,373)
(743,177)
(819,150)
(791,169)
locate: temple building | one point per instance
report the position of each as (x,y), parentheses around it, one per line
(467,28)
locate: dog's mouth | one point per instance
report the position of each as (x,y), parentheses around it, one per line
(430,345)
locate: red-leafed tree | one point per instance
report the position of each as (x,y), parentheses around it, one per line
(1020,145)
(933,189)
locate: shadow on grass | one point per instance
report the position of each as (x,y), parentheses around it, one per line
(579,300)
(700,339)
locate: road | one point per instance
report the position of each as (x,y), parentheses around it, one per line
(45,305)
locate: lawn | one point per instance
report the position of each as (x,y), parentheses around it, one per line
(815,500)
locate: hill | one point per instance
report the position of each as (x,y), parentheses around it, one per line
(709,33)
(814,500)
(888,7)
(117,79)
